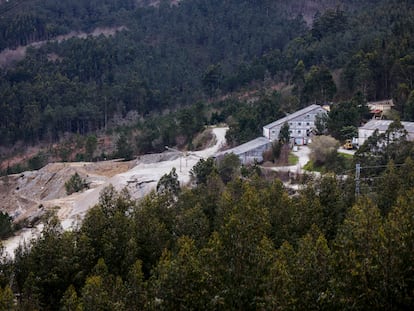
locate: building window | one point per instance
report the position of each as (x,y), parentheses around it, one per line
(299,131)
(307,123)
(299,124)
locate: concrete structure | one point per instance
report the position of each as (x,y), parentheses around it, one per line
(250,151)
(382,105)
(301,123)
(381,125)
(380,108)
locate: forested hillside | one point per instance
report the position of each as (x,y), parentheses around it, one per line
(160,62)
(25,21)
(236,238)
(233,242)
(172,56)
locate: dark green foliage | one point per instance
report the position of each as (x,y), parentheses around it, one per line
(284,134)
(123,147)
(379,149)
(202,170)
(168,56)
(321,121)
(398,233)
(244,245)
(276,149)
(70,300)
(408,108)
(169,184)
(7,299)
(6,225)
(333,204)
(228,167)
(191,121)
(319,86)
(345,117)
(212,79)
(184,268)
(37,162)
(330,22)
(247,119)
(90,146)
(363,274)
(299,77)
(301,277)
(75,184)
(44,272)
(27,21)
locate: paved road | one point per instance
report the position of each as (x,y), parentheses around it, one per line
(303,154)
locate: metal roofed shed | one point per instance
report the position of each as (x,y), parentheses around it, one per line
(250,151)
(382,125)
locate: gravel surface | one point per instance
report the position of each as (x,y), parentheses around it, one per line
(139,180)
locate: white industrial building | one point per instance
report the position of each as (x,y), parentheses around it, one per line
(381,125)
(301,124)
(250,151)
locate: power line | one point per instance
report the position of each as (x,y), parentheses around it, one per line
(358,178)
(380,166)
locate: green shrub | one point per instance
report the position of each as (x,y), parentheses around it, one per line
(75,184)
(37,162)
(6,225)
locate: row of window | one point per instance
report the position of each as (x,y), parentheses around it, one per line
(299,123)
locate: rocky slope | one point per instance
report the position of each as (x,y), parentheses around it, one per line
(27,196)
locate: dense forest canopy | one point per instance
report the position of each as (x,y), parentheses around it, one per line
(173,55)
(236,241)
(160,62)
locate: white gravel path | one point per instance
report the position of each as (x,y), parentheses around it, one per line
(303,154)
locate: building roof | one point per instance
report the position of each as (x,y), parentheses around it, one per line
(382,125)
(250,145)
(292,116)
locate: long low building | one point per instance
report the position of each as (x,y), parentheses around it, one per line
(249,152)
(382,126)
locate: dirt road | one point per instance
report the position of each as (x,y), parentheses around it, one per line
(46,186)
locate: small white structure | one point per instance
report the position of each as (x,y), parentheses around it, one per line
(381,125)
(250,151)
(301,123)
(382,105)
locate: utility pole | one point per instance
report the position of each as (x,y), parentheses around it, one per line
(357,179)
